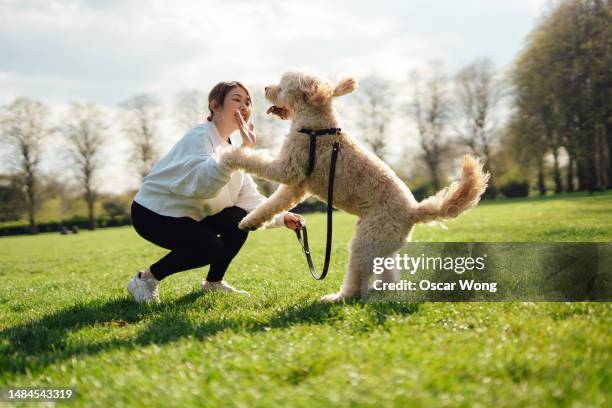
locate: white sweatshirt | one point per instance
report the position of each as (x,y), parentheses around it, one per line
(190,182)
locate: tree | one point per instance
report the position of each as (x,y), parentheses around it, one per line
(11,198)
(538,109)
(140,118)
(478,94)
(564,80)
(429,110)
(528,145)
(114,206)
(85,132)
(23,125)
(191,107)
(374,102)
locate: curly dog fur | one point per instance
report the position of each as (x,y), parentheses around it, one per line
(364,186)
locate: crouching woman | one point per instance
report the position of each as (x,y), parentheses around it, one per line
(191,204)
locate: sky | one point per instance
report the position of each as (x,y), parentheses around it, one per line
(107,51)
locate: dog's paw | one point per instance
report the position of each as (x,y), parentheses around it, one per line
(333,298)
(249,224)
(226,159)
(230,158)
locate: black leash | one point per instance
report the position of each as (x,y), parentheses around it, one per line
(330,198)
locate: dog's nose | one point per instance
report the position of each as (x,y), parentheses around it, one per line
(265,89)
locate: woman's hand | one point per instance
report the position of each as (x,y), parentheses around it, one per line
(246,131)
(294,221)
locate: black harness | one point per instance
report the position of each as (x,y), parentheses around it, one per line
(330,197)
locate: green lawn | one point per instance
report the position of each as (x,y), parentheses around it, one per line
(66,321)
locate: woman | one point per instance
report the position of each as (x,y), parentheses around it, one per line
(191,204)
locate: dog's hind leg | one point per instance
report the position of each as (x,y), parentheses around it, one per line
(284,198)
(390,274)
(393,275)
(375,237)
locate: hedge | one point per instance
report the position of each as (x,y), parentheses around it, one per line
(515,189)
(23,227)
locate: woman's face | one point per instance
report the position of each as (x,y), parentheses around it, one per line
(236,100)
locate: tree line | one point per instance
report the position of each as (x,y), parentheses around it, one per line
(83,130)
(555,102)
(563,96)
(26,128)
(554,105)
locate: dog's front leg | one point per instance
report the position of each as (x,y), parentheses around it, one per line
(284,198)
(281,170)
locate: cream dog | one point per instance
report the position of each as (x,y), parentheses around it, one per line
(364,184)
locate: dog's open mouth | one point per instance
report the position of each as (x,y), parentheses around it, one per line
(278,111)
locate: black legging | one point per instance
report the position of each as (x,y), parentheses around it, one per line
(215,240)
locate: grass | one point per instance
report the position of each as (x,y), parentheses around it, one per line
(65,320)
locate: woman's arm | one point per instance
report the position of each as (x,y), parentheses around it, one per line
(198,172)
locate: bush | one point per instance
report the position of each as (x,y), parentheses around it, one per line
(82,223)
(422,192)
(14,228)
(515,189)
(114,207)
(491,192)
(11,203)
(310,205)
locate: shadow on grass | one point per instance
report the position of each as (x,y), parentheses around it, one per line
(42,342)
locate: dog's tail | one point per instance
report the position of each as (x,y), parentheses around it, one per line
(456,198)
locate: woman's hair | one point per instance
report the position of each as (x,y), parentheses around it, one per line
(220,91)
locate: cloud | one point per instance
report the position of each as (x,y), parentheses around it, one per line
(113,49)
(107,51)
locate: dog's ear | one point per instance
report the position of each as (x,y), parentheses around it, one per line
(345,86)
(316,92)
(320,94)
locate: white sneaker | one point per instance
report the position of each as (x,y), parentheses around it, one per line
(143,290)
(221,286)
